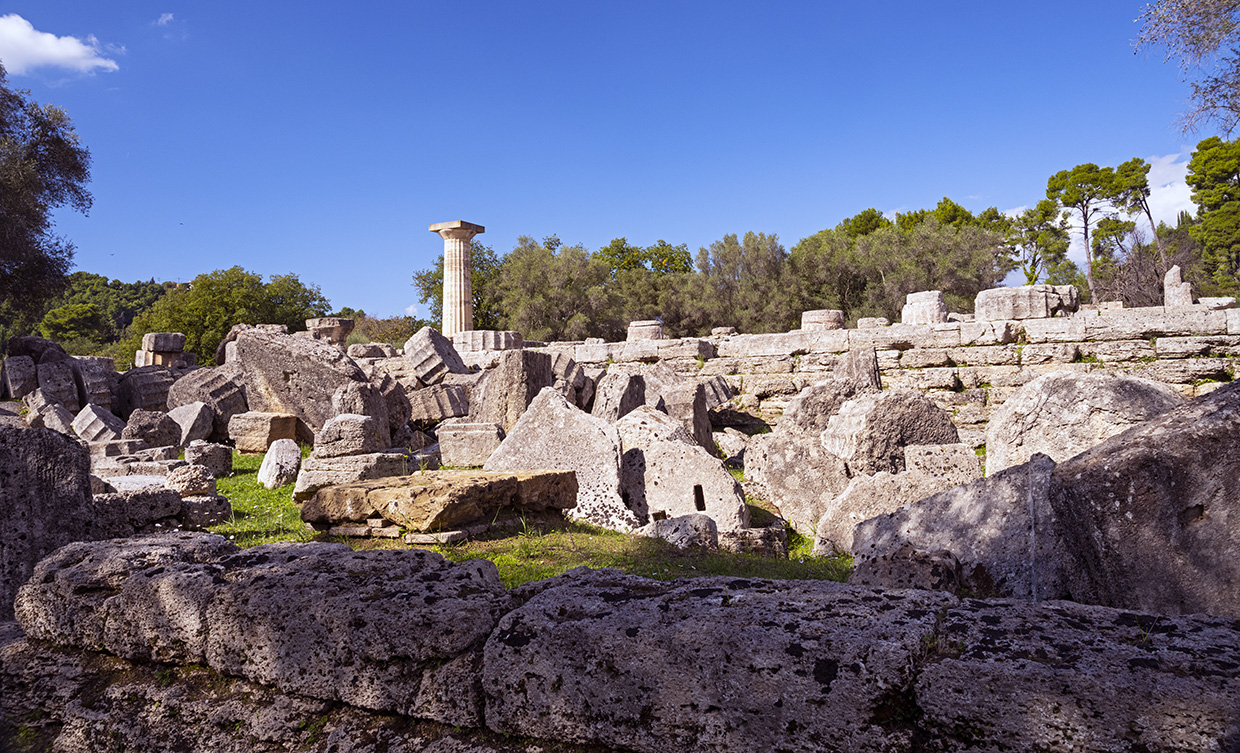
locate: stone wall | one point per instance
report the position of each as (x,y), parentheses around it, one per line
(969,368)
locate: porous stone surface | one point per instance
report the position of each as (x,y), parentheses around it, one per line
(441,500)
(431,356)
(617,393)
(317,473)
(430,405)
(870,432)
(400,632)
(191,481)
(664,473)
(221,389)
(1025,302)
(45,502)
(153,427)
(1065,413)
(727,663)
(201,511)
(147,507)
(57,381)
(280,465)
(1176,292)
(216,458)
(1151,515)
(870,496)
(197,421)
(52,416)
(1002,530)
(694,531)
(349,434)
(822,319)
(371,350)
(466,444)
(926,307)
(40,350)
(143,388)
(646,329)
(507,390)
(96,424)
(554,435)
(20,376)
(254,431)
(304,377)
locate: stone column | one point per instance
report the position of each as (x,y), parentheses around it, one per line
(458,294)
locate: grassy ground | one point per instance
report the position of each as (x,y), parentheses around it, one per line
(531,547)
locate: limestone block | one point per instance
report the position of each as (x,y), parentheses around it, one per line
(468,444)
(280,464)
(191,481)
(731,446)
(985,355)
(486,339)
(987,333)
(52,416)
(254,431)
(117,447)
(934,379)
(431,356)
(776,344)
(436,403)
(96,379)
(317,473)
(21,377)
(618,393)
(197,421)
(718,392)
(143,388)
(1062,414)
(598,352)
(504,393)
(872,322)
(650,329)
(333,329)
(1000,528)
(870,432)
(45,502)
(1144,323)
(216,458)
(544,663)
(1049,353)
(1186,371)
(664,473)
(1118,351)
(371,350)
(163,341)
(555,435)
(1175,291)
(1026,302)
(1192,347)
(639,351)
(96,424)
(348,434)
(1166,537)
(921,358)
(1218,303)
(722,331)
(684,532)
(905,336)
(822,319)
(926,307)
(1056,330)
(58,384)
(685,347)
(221,389)
(201,511)
(153,427)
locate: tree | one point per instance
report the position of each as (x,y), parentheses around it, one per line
(119,302)
(42,166)
(747,284)
(661,258)
(1132,194)
(1214,176)
(1090,191)
(549,291)
(75,321)
(863,223)
(1039,236)
(484,276)
(206,308)
(1202,35)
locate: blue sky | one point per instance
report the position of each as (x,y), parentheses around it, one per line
(322,138)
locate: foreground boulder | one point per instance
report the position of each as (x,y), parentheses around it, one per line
(1065,413)
(45,502)
(555,435)
(1152,515)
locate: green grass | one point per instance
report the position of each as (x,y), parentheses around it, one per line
(260,516)
(535,546)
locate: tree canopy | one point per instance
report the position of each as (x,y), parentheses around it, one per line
(1202,36)
(43,166)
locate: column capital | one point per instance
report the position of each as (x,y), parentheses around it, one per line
(457,229)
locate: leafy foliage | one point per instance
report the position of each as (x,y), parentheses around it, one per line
(1202,35)
(42,166)
(1214,176)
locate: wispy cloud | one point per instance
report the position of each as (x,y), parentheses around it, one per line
(164,19)
(411,310)
(22,49)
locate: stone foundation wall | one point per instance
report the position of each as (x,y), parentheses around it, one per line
(968,368)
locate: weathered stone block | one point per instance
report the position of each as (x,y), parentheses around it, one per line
(221,389)
(822,319)
(143,388)
(216,458)
(153,427)
(651,329)
(254,431)
(348,434)
(163,341)
(58,384)
(487,339)
(926,307)
(371,350)
(433,404)
(96,424)
(466,444)
(431,356)
(870,432)
(197,421)
(506,391)
(317,473)
(280,464)
(1025,302)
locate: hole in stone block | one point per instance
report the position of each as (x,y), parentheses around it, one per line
(699,499)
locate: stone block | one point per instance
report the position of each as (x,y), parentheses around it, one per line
(431,356)
(1049,353)
(52,416)
(504,393)
(1056,330)
(1193,347)
(216,458)
(870,432)
(221,389)
(200,512)
(1026,302)
(153,427)
(650,329)
(21,376)
(280,465)
(371,350)
(163,341)
(618,393)
(921,358)
(197,421)
(191,481)
(487,339)
(694,531)
(57,381)
(433,404)
(1118,350)
(117,447)
(822,319)
(254,431)
(597,352)
(467,444)
(349,434)
(317,473)
(686,347)
(332,329)
(1186,371)
(1175,291)
(143,388)
(873,322)
(96,424)
(96,379)
(926,307)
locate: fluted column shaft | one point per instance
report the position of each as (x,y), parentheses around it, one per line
(458,294)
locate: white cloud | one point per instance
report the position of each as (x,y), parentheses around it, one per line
(22,49)
(164,19)
(1169,194)
(411,310)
